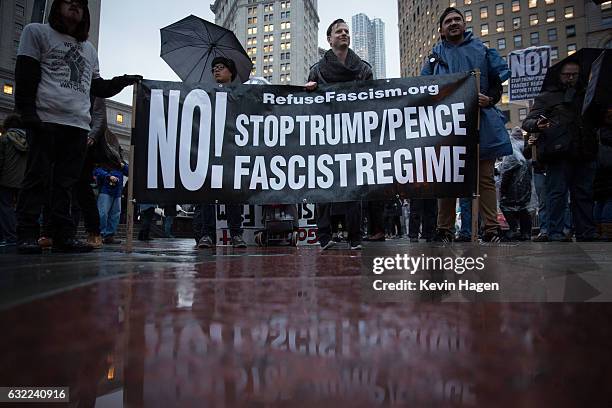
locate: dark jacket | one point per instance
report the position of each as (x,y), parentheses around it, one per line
(103,176)
(569,137)
(13,157)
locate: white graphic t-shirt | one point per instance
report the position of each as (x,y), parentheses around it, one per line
(67,68)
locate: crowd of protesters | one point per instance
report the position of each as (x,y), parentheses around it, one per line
(58,145)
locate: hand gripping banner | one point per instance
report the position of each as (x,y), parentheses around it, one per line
(259,144)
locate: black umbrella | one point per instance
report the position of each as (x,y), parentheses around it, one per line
(597,99)
(189,46)
(583,57)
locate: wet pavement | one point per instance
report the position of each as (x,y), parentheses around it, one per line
(172,326)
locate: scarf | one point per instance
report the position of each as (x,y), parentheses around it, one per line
(333,70)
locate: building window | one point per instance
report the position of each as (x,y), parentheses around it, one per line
(522,114)
(500,27)
(516,23)
(8,89)
(18,29)
(484,29)
(466,2)
(452,3)
(533,19)
(285,26)
(501,44)
(533,3)
(571,48)
(119,118)
(606,5)
(268,7)
(485,43)
(535,38)
(468,29)
(550,16)
(549,1)
(569,12)
(484,12)
(252,20)
(552,34)
(499,9)
(570,31)
(19,10)
(554,53)
(285,4)
(516,6)
(468,15)
(518,41)
(285,14)
(285,36)
(252,30)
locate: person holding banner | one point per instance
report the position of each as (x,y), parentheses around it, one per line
(339,64)
(460,51)
(55,73)
(567,144)
(204,217)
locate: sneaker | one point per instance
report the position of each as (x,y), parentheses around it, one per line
(355,245)
(71,245)
(29,246)
(206,242)
(238,242)
(463,238)
(45,242)
(327,244)
(444,236)
(95,240)
(541,237)
(414,240)
(494,236)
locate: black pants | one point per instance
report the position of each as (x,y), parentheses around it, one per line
(519,219)
(205,221)
(422,211)
(85,203)
(55,160)
(352,217)
(376,223)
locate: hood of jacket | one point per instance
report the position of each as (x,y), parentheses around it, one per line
(18,138)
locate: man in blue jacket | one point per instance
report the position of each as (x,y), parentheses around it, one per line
(460,51)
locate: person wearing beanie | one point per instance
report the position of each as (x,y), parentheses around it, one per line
(459,52)
(55,73)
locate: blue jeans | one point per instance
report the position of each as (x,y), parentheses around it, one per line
(602,212)
(466,217)
(539,180)
(110,210)
(577,178)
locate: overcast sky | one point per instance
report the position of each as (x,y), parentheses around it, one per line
(129,33)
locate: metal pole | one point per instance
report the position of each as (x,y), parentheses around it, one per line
(476,197)
(130,198)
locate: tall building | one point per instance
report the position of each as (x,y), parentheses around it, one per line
(14,15)
(368,41)
(507,25)
(280,36)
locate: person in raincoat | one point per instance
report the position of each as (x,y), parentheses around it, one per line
(515,189)
(460,51)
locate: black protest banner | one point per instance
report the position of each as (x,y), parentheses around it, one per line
(528,68)
(259,144)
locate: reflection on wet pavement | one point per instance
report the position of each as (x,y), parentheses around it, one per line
(284,327)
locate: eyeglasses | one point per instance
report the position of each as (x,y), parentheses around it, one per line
(76,3)
(218,67)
